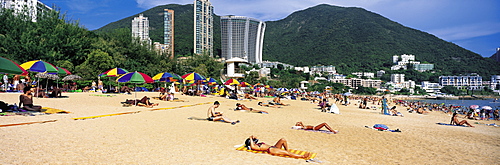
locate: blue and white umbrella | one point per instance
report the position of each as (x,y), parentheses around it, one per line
(315,93)
(283,90)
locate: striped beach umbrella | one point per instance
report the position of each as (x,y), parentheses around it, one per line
(268,86)
(39,66)
(258,85)
(115,72)
(193,76)
(166,77)
(9,66)
(211,81)
(283,90)
(232,82)
(135,77)
(62,71)
(245,84)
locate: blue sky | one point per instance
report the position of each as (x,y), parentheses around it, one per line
(472,24)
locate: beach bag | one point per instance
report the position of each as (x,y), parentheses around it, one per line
(380,127)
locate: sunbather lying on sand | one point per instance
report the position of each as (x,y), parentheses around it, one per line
(248,96)
(243,107)
(268,105)
(277,101)
(280,148)
(454,121)
(319,126)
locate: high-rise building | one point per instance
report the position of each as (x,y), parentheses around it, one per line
(31,7)
(168,34)
(140,28)
(203,27)
(242,37)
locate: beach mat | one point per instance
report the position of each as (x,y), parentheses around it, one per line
(451,124)
(312,156)
(388,130)
(114,114)
(320,131)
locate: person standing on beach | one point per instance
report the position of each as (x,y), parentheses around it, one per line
(217,116)
(5,82)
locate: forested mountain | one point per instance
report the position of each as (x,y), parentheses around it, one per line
(352,39)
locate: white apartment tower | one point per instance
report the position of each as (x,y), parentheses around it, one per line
(140,28)
(203,27)
(31,7)
(168,34)
(242,37)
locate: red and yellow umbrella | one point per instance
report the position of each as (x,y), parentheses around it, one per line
(232,82)
(245,84)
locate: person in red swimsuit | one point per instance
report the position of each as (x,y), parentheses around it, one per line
(280,148)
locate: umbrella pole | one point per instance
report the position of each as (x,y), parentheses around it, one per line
(135,97)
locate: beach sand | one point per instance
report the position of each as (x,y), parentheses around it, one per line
(169,137)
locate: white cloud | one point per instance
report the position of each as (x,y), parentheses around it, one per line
(467,31)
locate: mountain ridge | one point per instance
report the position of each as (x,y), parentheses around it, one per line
(350,38)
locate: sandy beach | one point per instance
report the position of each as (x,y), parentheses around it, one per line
(167,136)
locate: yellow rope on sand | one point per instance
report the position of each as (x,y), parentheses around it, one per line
(46,121)
(115,114)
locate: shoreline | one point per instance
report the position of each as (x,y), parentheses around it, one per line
(167,136)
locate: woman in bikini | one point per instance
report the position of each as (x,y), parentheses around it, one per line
(243,107)
(319,126)
(454,121)
(280,148)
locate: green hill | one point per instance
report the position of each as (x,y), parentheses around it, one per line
(352,39)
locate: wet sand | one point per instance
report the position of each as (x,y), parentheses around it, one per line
(169,137)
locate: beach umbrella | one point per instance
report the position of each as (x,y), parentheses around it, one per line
(9,66)
(486,107)
(474,106)
(245,84)
(258,85)
(347,94)
(315,93)
(282,90)
(232,82)
(211,81)
(166,77)
(268,86)
(135,77)
(39,66)
(47,76)
(115,72)
(193,76)
(71,77)
(62,71)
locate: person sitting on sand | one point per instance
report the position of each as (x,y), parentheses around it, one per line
(277,101)
(217,116)
(125,89)
(26,100)
(421,111)
(268,105)
(394,112)
(280,148)
(454,121)
(243,107)
(319,126)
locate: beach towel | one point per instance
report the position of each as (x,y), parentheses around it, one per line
(53,110)
(320,131)
(451,124)
(312,156)
(382,127)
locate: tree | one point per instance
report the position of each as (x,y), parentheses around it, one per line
(96,63)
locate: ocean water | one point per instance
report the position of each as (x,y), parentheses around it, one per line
(465,103)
